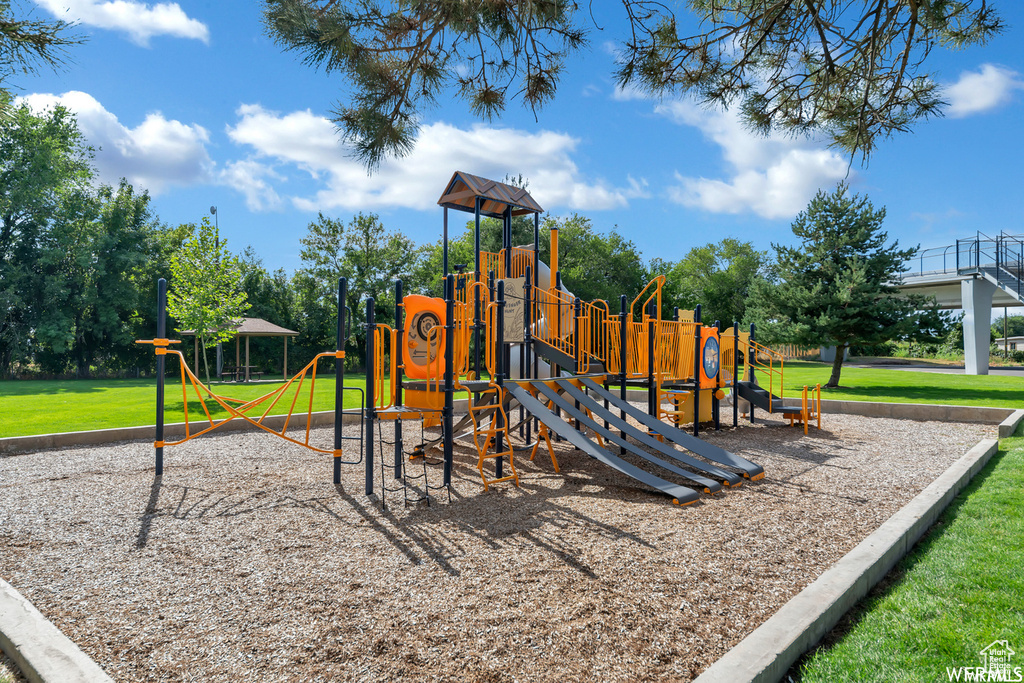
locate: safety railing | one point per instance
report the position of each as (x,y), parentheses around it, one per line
(552,313)
(385,365)
(674,349)
(655,286)
(594,323)
(770,363)
(522,257)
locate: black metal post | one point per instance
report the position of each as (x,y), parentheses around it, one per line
(161,364)
(751,359)
(697,362)
(623,360)
(527,337)
(556,369)
(735,373)
(444,258)
(508,242)
(476,291)
(715,403)
(449,381)
(577,308)
(499,371)
(652,390)
(339,379)
(371,326)
(399,366)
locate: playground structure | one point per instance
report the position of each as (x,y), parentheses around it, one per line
(511,336)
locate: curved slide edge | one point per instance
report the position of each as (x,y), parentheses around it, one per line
(710,486)
(687,441)
(681,495)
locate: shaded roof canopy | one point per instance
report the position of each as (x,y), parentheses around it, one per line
(463,189)
(256,327)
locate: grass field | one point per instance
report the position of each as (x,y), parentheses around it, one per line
(43,406)
(957,592)
(46,406)
(904,386)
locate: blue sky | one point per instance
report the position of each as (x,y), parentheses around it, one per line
(193,102)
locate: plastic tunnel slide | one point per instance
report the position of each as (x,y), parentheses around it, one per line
(687,441)
(681,495)
(617,424)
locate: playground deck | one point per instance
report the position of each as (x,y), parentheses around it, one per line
(245,563)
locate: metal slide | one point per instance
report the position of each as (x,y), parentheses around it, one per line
(599,413)
(681,495)
(687,441)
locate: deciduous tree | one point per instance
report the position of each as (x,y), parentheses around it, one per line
(206,288)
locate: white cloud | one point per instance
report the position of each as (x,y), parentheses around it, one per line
(139,20)
(251,179)
(311,143)
(979,91)
(772,176)
(154,155)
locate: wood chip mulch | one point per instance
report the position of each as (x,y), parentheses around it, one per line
(246,563)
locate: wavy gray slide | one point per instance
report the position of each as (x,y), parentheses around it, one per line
(687,441)
(681,495)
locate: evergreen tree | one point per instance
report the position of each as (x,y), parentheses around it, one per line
(857,72)
(838,286)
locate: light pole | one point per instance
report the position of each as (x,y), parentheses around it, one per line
(216,246)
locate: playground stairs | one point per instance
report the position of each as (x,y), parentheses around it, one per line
(492,438)
(1000,260)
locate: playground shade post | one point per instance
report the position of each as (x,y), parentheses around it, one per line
(697,362)
(623,357)
(397,382)
(161,333)
(371,326)
(449,380)
(339,377)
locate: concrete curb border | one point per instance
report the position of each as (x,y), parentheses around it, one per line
(1008,427)
(38,648)
(769,652)
(41,442)
(913,411)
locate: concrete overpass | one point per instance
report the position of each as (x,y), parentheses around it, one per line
(974,275)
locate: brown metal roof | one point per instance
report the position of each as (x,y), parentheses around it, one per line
(463,189)
(256,327)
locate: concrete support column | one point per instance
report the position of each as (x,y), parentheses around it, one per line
(977,298)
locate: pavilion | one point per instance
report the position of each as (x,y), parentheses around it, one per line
(252,327)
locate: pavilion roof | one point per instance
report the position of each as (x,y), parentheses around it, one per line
(464,188)
(256,327)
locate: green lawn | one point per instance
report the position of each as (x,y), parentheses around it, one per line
(43,406)
(904,386)
(47,406)
(957,592)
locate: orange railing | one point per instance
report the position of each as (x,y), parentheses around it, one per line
(769,362)
(491,262)
(385,357)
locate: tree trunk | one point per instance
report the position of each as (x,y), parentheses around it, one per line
(837,366)
(206,363)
